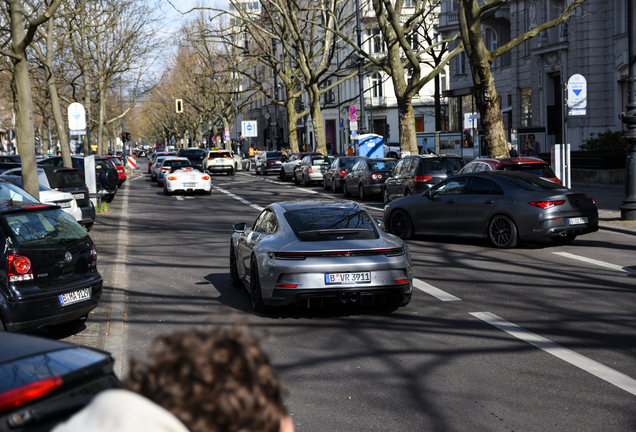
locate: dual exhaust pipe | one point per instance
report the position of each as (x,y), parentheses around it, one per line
(345,298)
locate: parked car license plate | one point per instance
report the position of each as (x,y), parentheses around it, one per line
(75,297)
(189,185)
(577,221)
(66,204)
(78,196)
(340,278)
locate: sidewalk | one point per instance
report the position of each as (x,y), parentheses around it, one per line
(608,199)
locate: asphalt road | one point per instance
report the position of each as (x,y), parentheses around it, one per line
(538,338)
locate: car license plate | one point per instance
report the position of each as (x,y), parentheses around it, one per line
(65,204)
(75,297)
(343,278)
(577,221)
(78,196)
(189,185)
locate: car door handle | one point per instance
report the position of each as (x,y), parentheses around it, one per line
(450,201)
(488,202)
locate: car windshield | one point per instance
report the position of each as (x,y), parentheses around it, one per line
(331,223)
(536,169)
(9,191)
(41,229)
(440,166)
(381,165)
(193,152)
(217,155)
(322,160)
(176,162)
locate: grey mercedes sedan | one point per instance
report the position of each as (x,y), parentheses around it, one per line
(319,253)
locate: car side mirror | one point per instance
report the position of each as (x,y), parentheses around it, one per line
(239,227)
(428,194)
(379,222)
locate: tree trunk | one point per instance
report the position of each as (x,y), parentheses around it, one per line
(486,98)
(102,117)
(292,120)
(316,119)
(406,122)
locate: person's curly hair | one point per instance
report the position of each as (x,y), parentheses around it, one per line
(212,380)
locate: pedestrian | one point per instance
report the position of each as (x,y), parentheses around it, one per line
(350,150)
(512,152)
(284,156)
(251,151)
(532,147)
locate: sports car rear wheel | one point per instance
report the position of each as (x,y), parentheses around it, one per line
(234,276)
(255,289)
(165,190)
(502,232)
(400,224)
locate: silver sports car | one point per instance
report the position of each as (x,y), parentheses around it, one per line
(319,253)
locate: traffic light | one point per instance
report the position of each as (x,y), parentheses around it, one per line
(127,136)
(388,130)
(266,133)
(179,105)
(123,137)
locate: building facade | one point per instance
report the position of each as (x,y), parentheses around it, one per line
(531,78)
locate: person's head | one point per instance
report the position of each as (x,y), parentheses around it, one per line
(509,146)
(531,138)
(213,380)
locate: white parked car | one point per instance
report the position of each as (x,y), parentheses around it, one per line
(186,179)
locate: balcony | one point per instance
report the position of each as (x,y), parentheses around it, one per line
(378,101)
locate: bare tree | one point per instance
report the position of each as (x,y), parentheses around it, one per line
(481,59)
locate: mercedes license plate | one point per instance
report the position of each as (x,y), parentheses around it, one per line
(577,221)
(343,278)
(78,196)
(66,204)
(189,185)
(75,297)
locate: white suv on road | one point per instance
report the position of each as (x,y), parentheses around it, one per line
(220,161)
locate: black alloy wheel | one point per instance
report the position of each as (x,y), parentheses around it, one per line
(385,196)
(361,194)
(502,232)
(234,276)
(400,224)
(255,288)
(345,190)
(561,240)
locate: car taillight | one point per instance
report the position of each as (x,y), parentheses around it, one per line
(19,396)
(422,179)
(19,268)
(376,176)
(343,173)
(165,169)
(546,204)
(286,285)
(591,200)
(310,171)
(94,253)
(401,281)
(205,178)
(172,178)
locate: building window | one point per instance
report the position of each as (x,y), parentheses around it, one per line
(376,84)
(454,5)
(377,44)
(461,63)
(419,124)
(442,80)
(525,109)
(621,16)
(409,3)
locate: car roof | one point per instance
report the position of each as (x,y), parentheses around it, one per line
(22,345)
(8,206)
(523,160)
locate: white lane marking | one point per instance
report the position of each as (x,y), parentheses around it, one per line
(435,292)
(610,375)
(238,198)
(595,262)
(137,178)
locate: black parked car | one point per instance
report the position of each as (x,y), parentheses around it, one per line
(335,174)
(43,381)
(417,173)
(194,155)
(66,180)
(51,272)
(367,177)
(269,162)
(106,174)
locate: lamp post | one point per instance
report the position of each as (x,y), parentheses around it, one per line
(628,208)
(360,71)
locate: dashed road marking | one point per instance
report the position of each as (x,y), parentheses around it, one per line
(596,262)
(597,369)
(238,198)
(435,292)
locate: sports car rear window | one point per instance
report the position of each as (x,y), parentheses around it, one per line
(536,169)
(176,162)
(532,183)
(331,223)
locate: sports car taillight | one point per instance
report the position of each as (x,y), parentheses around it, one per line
(422,179)
(205,178)
(331,254)
(546,204)
(21,395)
(19,268)
(172,178)
(343,173)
